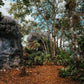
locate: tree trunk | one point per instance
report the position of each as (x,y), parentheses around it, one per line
(49,38)
(54,44)
(72,36)
(80,51)
(54,48)
(44,44)
(57,38)
(61,37)
(63,44)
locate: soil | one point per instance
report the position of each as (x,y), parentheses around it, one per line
(46,74)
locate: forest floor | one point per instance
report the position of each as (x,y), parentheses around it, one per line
(46,74)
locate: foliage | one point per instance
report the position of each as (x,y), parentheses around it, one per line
(73,73)
(42,9)
(81,42)
(64,72)
(39,59)
(63,58)
(45,11)
(71,4)
(76,19)
(47,58)
(36,44)
(34,57)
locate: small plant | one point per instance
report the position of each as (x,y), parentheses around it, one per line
(47,57)
(38,60)
(63,58)
(64,72)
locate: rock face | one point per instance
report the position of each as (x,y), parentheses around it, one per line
(10,43)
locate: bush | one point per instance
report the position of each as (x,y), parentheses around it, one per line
(32,57)
(35,58)
(63,58)
(73,72)
(38,60)
(68,71)
(47,57)
(64,72)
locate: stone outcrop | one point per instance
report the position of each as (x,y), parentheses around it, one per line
(37,36)
(10,43)
(34,36)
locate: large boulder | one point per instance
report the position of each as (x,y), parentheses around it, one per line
(45,34)
(37,36)
(34,37)
(10,43)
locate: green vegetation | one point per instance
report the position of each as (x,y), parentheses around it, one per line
(62,24)
(34,57)
(73,73)
(63,58)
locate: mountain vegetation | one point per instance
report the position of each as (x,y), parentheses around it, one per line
(55,35)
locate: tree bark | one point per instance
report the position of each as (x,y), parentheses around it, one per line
(80,51)
(61,37)
(63,43)
(72,36)
(49,38)
(57,38)
(54,45)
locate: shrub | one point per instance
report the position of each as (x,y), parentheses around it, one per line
(38,60)
(63,58)
(72,72)
(47,57)
(32,57)
(64,72)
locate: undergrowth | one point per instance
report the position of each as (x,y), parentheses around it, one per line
(73,72)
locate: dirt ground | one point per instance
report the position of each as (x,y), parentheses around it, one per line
(46,74)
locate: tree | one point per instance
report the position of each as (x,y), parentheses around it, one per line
(27,26)
(70,6)
(75,27)
(45,11)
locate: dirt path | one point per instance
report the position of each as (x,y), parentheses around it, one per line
(38,75)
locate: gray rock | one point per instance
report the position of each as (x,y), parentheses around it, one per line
(37,36)
(45,34)
(34,36)
(10,43)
